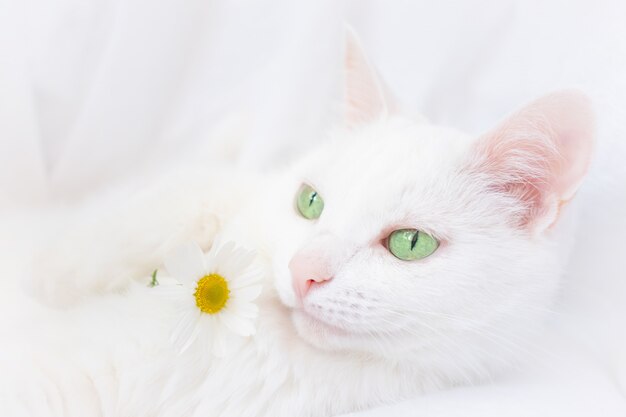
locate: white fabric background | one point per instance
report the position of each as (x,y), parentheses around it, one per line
(92,92)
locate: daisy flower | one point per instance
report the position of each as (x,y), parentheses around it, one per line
(216,295)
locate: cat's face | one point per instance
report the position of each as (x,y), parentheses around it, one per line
(483,264)
(394,176)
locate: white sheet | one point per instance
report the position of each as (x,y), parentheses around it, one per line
(92,92)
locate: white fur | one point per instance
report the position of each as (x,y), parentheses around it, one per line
(381,330)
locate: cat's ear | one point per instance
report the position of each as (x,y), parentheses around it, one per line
(366,98)
(539,156)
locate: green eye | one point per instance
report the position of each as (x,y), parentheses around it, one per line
(411,244)
(309,202)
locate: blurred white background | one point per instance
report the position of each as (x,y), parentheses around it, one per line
(90,90)
(93,92)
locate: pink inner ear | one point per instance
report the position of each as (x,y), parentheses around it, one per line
(540,154)
(364,93)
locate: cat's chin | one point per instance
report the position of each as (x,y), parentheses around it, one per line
(320,334)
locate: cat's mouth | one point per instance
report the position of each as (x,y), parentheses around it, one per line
(335,334)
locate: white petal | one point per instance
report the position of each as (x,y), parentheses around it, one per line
(244,257)
(246,278)
(239,325)
(186,263)
(238,260)
(244,309)
(218,242)
(248,293)
(209,265)
(204,337)
(235,262)
(171,292)
(211,328)
(185,332)
(222,253)
(227,254)
(219,346)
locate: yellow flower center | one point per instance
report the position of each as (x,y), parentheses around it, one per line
(211,293)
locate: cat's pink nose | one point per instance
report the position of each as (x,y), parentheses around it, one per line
(308,268)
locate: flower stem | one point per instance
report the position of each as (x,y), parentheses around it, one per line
(154,282)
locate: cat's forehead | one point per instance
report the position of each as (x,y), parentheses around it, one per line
(386,156)
(383,173)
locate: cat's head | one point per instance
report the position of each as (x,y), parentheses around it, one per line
(401,238)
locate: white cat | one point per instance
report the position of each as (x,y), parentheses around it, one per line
(405,257)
